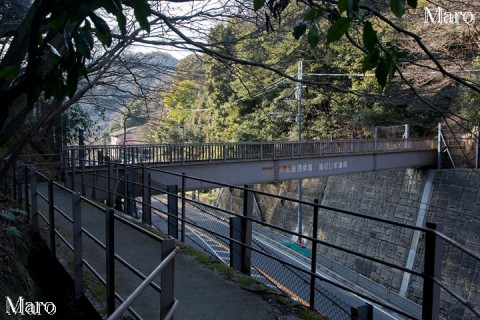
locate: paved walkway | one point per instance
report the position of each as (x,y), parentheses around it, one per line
(203,293)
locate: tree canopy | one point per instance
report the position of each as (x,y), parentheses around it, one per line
(365,63)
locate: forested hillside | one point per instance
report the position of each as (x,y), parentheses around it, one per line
(362,64)
(219,100)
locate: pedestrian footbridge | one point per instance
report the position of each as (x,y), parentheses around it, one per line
(248,162)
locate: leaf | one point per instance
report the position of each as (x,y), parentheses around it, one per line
(141,9)
(369,36)
(57,22)
(258,4)
(381,73)
(81,43)
(397,7)
(412,3)
(350,6)
(338,29)
(313,36)
(343,5)
(111,6)
(13,231)
(313,14)
(9,72)
(370,61)
(390,63)
(54,50)
(103,32)
(122,22)
(299,30)
(72,81)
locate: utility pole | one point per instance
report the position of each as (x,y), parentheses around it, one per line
(298,95)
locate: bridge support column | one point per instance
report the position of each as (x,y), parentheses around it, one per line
(432,269)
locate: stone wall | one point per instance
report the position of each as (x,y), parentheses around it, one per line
(455,204)
(394,195)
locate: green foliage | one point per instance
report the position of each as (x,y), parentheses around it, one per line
(12,216)
(338,29)
(62,38)
(468,101)
(338,20)
(76,119)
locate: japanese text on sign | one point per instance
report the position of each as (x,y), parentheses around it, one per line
(308,167)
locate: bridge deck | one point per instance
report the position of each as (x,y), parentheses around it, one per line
(237,151)
(253,163)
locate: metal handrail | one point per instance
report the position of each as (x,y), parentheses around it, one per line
(136,293)
(236,151)
(35,212)
(427,230)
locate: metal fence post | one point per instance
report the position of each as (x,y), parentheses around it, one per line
(172,211)
(77,247)
(110,259)
(314,255)
(364,312)
(184,203)
(34,202)
(247,229)
(167,298)
(26,187)
(16,183)
(73,178)
(82,176)
(146,197)
(131,204)
(111,200)
(432,270)
(51,219)
(439,146)
(235,247)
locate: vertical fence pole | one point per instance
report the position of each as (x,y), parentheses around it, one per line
(167,279)
(26,187)
(432,269)
(314,255)
(111,201)
(77,247)
(82,176)
(184,203)
(146,197)
(34,202)
(6,179)
(16,182)
(172,211)
(51,219)
(439,147)
(247,229)
(477,149)
(110,259)
(73,178)
(235,247)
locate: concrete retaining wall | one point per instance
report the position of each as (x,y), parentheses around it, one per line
(394,195)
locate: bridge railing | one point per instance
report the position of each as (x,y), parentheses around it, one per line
(42,204)
(235,151)
(234,229)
